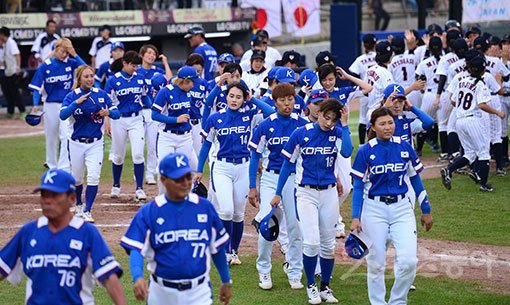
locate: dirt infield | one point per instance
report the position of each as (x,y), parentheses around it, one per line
(490,264)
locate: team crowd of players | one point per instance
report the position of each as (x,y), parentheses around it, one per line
(276,136)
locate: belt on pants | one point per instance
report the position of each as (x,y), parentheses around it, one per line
(317,187)
(129,114)
(506,94)
(181,285)
(466,116)
(86,140)
(234,160)
(275,171)
(195,121)
(388,199)
(180,132)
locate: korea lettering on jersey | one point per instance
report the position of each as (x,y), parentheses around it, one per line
(232,129)
(386,175)
(126,91)
(173,101)
(61,266)
(270,137)
(309,146)
(54,79)
(176,238)
(147,75)
(86,121)
(197,97)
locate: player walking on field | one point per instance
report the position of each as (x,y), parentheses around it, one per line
(314,149)
(385,212)
(52,81)
(61,255)
(128,91)
(229,173)
(179,233)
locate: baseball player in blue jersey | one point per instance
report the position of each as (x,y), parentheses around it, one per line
(52,81)
(267,142)
(196,39)
(128,92)
(223,60)
(149,53)
(86,107)
(178,233)
(385,212)
(231,128)
(287,75)
(172,106)
(217,98)
(61,255)
(314,149)
(104,72)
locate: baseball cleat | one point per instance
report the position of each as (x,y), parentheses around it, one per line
(412,288)
(500,172)
(339,232)
(486,188)
(265,281)
(115,193)
(78,210)
(474,176)
(235,258)
(150,180)
(327,295)
(285,267)
(283,249)
(87,216)
(140,195)
(295,284)
(443,157)
(446,178)
(314,296)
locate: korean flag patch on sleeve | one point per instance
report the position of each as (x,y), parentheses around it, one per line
(202,218)
(404,154)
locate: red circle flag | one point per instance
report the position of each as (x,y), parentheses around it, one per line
(261,18)
(301,16)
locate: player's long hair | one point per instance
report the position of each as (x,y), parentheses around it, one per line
(240,87)
(78,73)
(380,112)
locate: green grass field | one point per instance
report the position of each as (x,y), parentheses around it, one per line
(462,214)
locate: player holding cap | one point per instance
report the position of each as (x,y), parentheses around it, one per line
(267,142)
(61,255)
(52,81)
(178,232)
(196,39)
(384,213)
(129,92)
(314,149)
(86,107)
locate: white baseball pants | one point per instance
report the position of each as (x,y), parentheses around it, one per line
(495,122)
(122,129)
(230,183)
(86,155)
(151,134)
(473,137)
(55,129)
(161,295)
(427,104)
(443,113)
(505,107)
(197,137)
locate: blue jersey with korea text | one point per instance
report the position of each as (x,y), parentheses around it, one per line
(126,91)
(232,129)
(210,59)
(54,78)
(173,101)
(177,238)
(147,74)
(104,72)
(84,122)
(270,136)
(384,164)
(61,267)
(197,97)
(314,151)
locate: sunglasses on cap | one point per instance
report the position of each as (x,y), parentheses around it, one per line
(322,95)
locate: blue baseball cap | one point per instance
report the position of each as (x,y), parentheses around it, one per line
(355,246)
(269,227)
(58,181)
(394,87)
(174,166)
(272,73)
(117,44)
(318,95)
(226,57)
(187,72)
(307,78)
(158,81)
(285,75)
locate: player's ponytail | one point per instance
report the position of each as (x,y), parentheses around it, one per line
(78,73)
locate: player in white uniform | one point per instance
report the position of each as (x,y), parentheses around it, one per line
(254,77)
(86,107)
(426,71)
(505,98)
(267,142)
(471,97)
(359,69)
(100,49)
(314,149)
(44,44)
(128,92)
(402,67)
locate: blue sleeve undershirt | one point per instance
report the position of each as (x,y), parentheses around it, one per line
(202,157)
(284,175)
(346,149)
(158,116)
(220,261)
(421,194)
(136,264)
(254,167)
(426,120)
(114,114)
(357,198)
(68,111)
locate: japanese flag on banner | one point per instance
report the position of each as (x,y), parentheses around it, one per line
(303,17)
(269,14)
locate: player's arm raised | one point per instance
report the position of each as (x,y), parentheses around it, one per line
(365,87)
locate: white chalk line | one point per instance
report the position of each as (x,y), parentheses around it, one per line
(22,134)
(471,259)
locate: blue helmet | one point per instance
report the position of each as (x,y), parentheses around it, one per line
(355,247)
(34,119)
(158,81)
(269,227)
(226,57)
(307,78)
